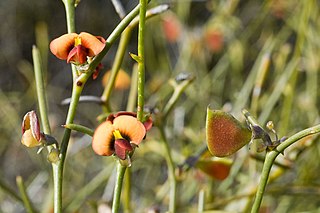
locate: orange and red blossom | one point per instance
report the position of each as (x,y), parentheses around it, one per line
(31,135)
(118,134)
(171,27)
(75,48)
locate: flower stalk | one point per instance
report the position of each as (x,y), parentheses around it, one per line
(270,158)
(118,186)
(141,52)
(25,198)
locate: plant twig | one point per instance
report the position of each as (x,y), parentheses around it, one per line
(118,186)
(9,191)
(141,64)
(79,128)
(271,156)
(24,196)
(171,172)
(41,93)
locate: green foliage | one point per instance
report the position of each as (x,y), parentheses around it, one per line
(262,56)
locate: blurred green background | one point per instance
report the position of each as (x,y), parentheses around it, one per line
(259,55)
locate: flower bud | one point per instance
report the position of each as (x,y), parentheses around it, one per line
(31,135)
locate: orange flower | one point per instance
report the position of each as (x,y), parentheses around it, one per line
(76,48)
(118,133)
(171,27)
(214,40)
(122,80)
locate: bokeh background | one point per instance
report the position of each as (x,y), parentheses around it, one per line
(261,55)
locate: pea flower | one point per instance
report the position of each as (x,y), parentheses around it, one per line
(75,48)
(171,27)
(122,81)
(119,134)
(31,135)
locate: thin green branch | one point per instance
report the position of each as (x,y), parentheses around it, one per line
(9,191)
(118,186)
(77,200)
(270,158)
(141,64)
(25,198)
(41,92)
(178,90)
(171,172)
(79,128)
(113,37)
(70,14)
(69,6)
(124,40)
(130,107)
(278,89)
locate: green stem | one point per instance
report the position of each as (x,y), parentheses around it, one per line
(171,172)
(58,168)
(41,93)
(76,92)
(141,64)
(178,90)
(70,14)
(9,191)
(118,186)
(130,107)
(124,40)
(79,128)
(132,99)
(113,37)
(271,156)
(24,195)
(71,27)
(80,196)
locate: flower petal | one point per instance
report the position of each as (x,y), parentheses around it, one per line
(78,55)
(61,46)
(122,80)
(121,147)
(31,121)
(94,44)
(129,126)
(29,140)
(103,140)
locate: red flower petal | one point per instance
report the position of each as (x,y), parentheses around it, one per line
(78,55)
(122,146)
